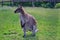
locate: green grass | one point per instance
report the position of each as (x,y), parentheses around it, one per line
(48,23)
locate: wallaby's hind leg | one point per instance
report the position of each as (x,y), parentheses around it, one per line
(33,31)
(24,30)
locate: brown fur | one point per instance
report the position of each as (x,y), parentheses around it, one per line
(27,20)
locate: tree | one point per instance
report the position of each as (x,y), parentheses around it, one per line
(2,3)
(33,3)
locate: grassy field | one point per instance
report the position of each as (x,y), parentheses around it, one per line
(48,23)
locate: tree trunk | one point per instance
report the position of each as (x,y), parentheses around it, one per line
(12,2)
(33,3)
(2,3)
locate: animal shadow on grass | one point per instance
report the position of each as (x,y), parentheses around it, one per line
(30,37)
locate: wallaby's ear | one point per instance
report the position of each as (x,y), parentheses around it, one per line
(20,6)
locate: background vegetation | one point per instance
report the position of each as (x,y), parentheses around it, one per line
(37,4)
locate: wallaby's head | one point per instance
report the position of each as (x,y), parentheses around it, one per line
(18,10)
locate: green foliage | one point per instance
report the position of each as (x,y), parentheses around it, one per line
(37,4)
(48,5)
(43,4)
(26,3)
(57,5)
(6,3)
(52,5)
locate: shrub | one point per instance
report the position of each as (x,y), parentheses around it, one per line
(57,5)
(49,5)
(37,4)
(43,4)
(46,4)
(26,3)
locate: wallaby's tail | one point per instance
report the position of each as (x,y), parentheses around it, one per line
(36,30)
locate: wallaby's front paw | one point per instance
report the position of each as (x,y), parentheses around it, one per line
(24,36)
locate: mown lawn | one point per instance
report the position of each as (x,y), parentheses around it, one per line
(48,23)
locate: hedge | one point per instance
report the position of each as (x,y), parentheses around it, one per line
(37,4)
